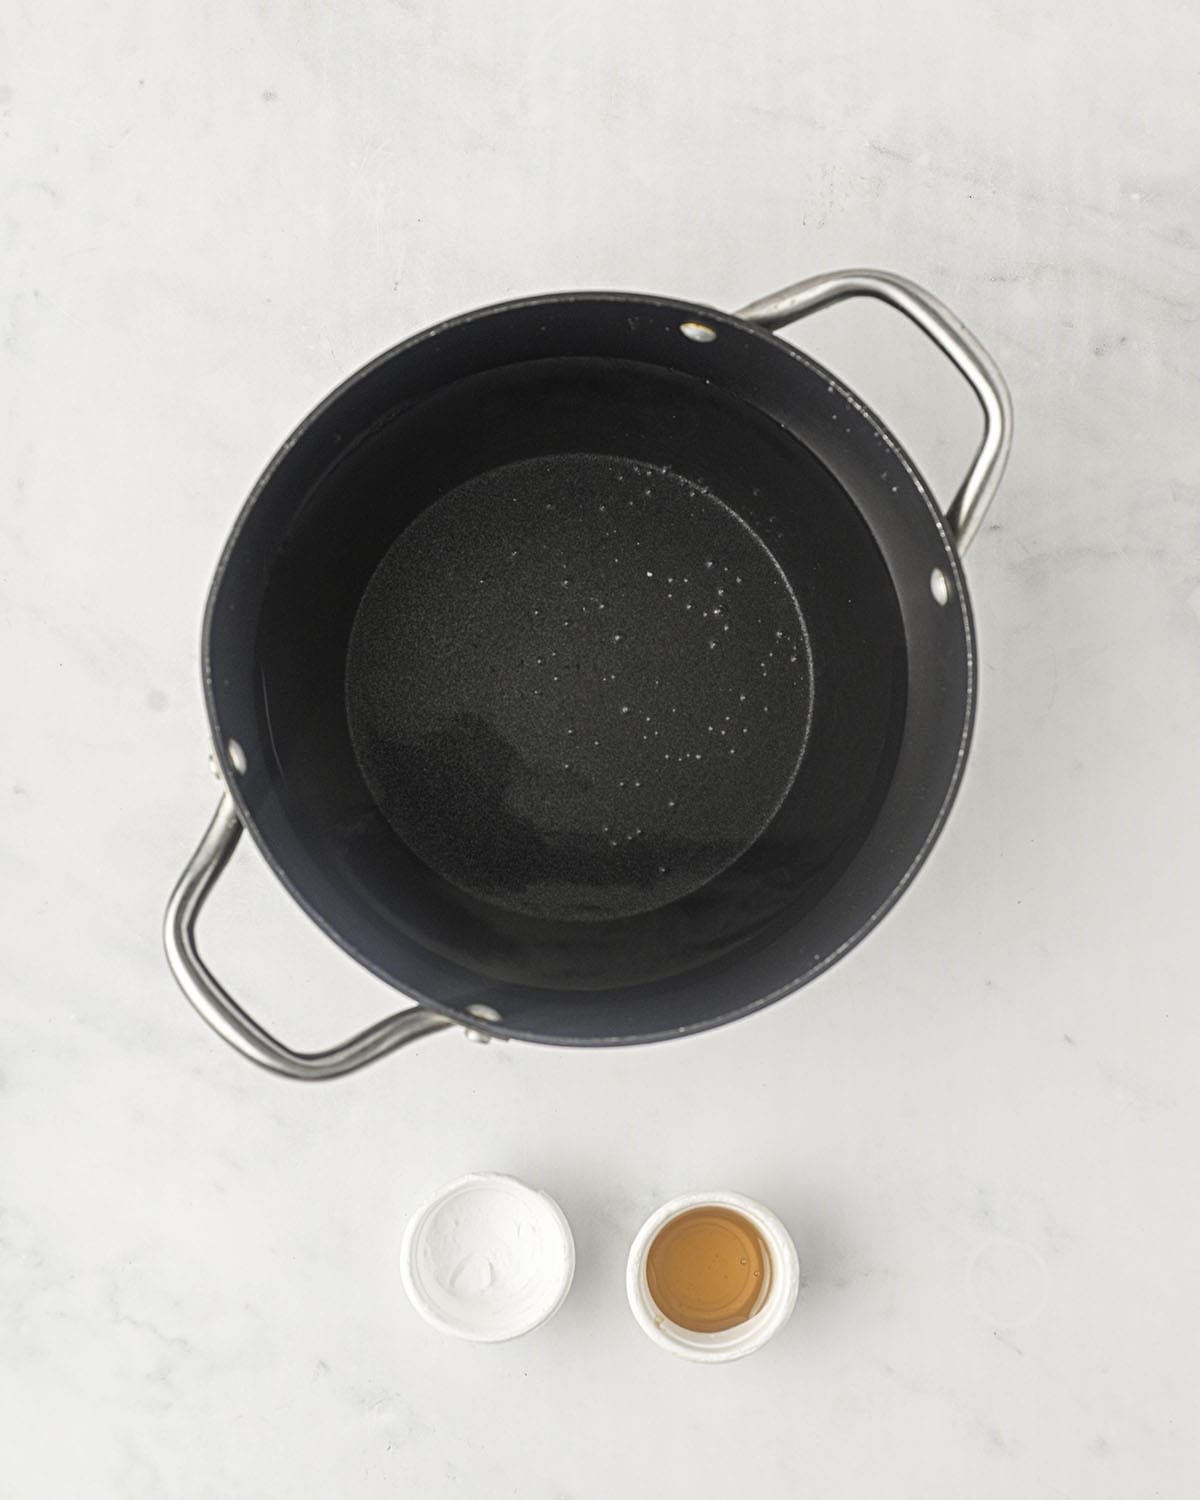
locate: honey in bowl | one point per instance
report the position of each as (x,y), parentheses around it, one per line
(708,1269)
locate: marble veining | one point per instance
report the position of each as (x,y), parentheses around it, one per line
(980,1126)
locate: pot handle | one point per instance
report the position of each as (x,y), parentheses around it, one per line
(952,338)
(221,1010)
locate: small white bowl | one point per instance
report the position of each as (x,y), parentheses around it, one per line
(487,1258)
(730,1343)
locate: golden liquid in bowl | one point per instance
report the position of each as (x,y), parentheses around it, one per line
(708,1269)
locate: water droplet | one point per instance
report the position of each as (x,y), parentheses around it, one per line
(741,697)
(570,731)
(649,572)
(672,802)
(536,611)
(624,708)
(617,637)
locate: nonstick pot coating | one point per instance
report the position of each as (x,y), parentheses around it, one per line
(454,815)
(400,659)
(578,686)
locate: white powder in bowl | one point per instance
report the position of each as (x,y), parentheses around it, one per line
(487,1258)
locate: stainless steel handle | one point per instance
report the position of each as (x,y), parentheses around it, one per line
(964,349)
(221,1010)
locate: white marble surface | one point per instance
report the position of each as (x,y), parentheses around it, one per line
(982,1126)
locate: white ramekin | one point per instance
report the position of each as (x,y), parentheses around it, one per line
(488,1319)
(731,1343)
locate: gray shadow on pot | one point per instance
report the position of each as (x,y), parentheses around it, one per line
(493,823)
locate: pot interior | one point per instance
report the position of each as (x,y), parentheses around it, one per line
(581,673)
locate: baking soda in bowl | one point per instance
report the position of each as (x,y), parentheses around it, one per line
(487,1258)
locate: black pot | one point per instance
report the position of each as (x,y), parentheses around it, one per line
(592,668)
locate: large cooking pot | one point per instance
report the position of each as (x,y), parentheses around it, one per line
(593,668)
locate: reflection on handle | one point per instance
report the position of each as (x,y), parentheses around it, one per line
(977,489)
(224,1014)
